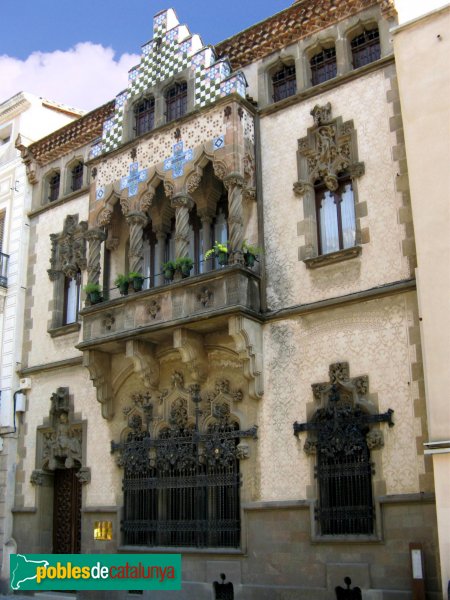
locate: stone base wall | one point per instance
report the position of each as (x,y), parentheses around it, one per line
(278,560)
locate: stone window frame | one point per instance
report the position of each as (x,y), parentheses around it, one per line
(136,104)
(282,62)
(368,402)
(158,92)
(353,32)
(178,97)
(346,163)
(47,185)
(323,43)
(79,159)
(68,257)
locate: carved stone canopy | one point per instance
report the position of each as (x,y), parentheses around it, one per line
(60,441)
(328,150)
(342,423)
(68,251)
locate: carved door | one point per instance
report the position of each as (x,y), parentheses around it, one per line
(66,512)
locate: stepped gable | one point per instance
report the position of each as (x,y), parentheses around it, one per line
(300,20)
(172,50)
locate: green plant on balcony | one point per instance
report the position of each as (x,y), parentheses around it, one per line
(93,292)
(220,251)
(136,280)
(122,281)
(184,265)
(250,253)
(168,269)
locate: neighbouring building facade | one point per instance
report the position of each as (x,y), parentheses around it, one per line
(265,418)
(31,118)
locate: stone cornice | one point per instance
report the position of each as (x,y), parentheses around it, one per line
(302,19)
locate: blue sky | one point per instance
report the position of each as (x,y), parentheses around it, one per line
(79,53)
(47,25)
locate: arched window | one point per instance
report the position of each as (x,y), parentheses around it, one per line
(144,114)
(76,177)
(365,47)
(323,66)
(53,186)
(176,101)
(336,223)
(284,83)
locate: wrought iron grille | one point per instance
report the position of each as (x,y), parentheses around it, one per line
(145,116)
(182,489)
(365,48)
(323,66)
(284,83)
(53,187)
(77,177)
(345,492)
(176,99)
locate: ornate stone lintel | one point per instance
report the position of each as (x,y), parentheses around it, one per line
(301,187)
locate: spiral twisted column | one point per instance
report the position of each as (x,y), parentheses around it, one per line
(206,219)
(95,237)
(182,204)
(136,222)
(234,184)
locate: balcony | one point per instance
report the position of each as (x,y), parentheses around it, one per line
(200,303)
(4,258)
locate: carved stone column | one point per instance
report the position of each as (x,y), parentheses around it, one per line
(182,204)
(206,220)
(234,184)
(306,189)
(95,237)
(161,235)
(136,222)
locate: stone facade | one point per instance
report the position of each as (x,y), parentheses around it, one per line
(236,356)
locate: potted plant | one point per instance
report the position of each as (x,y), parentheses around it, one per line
(122,281)
(250,253)
(168,269)
(93,292)
(220,251)
(184,265)
(136,280)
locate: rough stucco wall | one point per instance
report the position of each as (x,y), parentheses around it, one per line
(373,338)
(45,349)
(289,282)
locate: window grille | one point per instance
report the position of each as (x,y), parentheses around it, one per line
(145,116)
(176,99)
(77,177)
(284,83)
(366,48)
(53,187)
(323,66)
(182,489)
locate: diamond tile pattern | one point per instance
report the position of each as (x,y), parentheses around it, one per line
(172,50)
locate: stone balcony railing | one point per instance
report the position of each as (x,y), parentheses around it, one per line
(229,290)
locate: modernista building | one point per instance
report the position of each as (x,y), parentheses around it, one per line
(266,418)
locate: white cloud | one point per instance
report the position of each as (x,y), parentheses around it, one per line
(84,77)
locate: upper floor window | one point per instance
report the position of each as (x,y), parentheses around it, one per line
(144,114)
(323,66)
(284,83)
(365,47)
(53,186)
(176,99)
(336,224)
(76,177)
(72,286)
